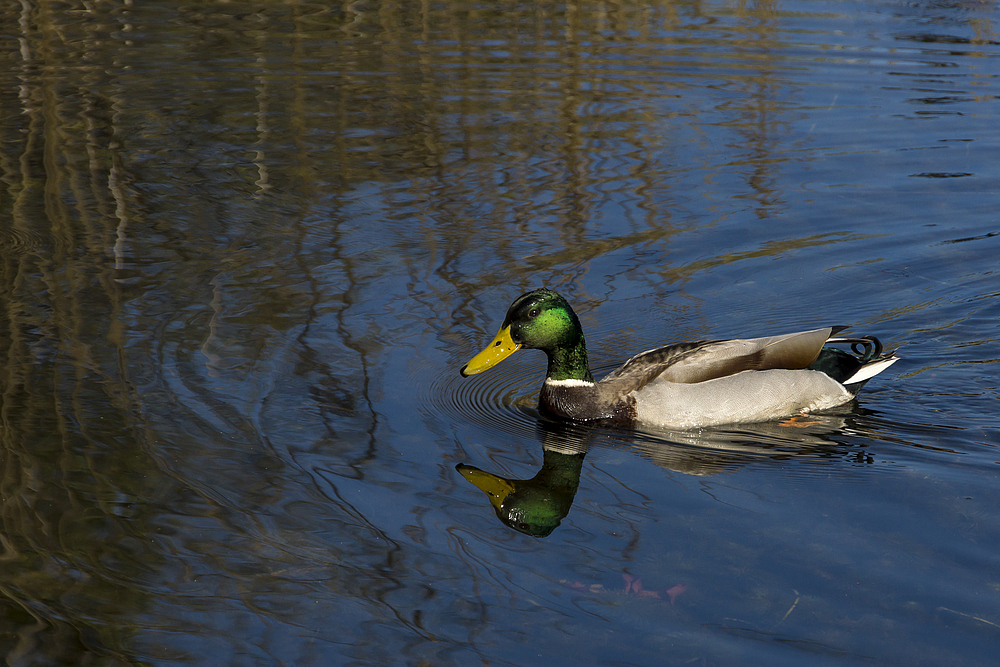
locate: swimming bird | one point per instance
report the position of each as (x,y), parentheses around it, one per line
(684,385)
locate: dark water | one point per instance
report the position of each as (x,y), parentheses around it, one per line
(246,247)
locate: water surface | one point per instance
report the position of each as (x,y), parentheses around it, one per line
(246,248)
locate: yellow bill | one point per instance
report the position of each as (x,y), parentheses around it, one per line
(499,349)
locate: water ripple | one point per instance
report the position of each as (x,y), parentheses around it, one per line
(503,399)
(19,240)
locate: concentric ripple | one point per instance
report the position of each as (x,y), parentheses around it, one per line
(18,240)
(503,399)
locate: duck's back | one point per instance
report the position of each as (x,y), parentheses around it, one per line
(707,360)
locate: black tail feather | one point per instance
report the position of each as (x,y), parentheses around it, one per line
(842,365)
(866,347)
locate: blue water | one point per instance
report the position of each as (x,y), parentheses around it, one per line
(245,249)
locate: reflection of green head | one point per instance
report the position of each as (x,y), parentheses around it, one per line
(533,506)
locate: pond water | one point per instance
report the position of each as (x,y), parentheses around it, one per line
(245,249)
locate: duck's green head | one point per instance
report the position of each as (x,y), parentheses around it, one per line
(540,320)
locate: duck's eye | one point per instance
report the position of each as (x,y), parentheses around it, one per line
(533,312)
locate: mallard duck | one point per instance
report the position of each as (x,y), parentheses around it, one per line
(684,385)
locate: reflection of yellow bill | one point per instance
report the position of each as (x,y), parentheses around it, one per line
(499,349)
(497,488)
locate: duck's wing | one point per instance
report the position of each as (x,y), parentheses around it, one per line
(707,360)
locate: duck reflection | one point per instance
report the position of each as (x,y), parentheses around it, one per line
(805,438)
(538,505)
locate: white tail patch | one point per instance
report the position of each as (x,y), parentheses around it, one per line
(869,371)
